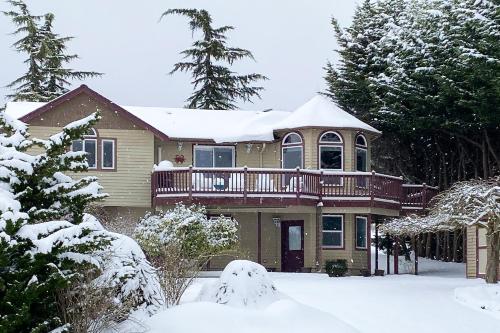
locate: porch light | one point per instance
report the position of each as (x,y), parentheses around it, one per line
(277,222)
(179,145)
(249,147)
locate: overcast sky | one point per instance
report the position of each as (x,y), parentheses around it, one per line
(290,39)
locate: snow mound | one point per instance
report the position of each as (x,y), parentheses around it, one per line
(242,284)
(163,166)
(483,297)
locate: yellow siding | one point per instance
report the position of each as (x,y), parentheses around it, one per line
(130,184)
(266,155)
(471,252)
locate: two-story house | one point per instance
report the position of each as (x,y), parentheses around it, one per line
(299,183)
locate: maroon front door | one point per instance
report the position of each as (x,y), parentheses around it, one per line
(292,246)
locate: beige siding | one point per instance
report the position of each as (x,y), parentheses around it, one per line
(471,252)
(267,155)
(357,260)
(130,184)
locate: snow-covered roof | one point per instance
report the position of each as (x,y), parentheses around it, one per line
(321,112)
(230,125)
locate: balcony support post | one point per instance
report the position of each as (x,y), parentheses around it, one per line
(297,184)
(372,188)
(245,184)
(190,179)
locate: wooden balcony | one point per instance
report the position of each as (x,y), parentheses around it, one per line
(281,187)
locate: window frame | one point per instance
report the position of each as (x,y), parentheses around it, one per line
(292,145)
(361,148)
(114,154)
(342,232)
(233,154)
(356,217)
(322,144)
(83,141)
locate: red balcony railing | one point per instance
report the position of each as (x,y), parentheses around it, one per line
(298,184)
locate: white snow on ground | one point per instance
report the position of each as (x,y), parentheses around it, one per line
(485,298)
(405,303)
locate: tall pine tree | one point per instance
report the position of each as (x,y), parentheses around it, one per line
(215,85)
(47,76)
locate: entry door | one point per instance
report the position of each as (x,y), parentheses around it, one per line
(292,246)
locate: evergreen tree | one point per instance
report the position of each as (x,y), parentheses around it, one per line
(426,74)
(53,57)
(28,87)
(215,85)
(44,235)
(46,77)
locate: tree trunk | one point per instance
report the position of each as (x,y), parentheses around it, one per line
(456,235)
(464,245)
(438,245)
(492,241)
(428,245)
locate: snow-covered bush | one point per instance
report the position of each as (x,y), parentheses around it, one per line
(181,241)
(46,239)
(243,283)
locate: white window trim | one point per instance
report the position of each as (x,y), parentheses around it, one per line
(341,157)
(83,149)
(113,155)
(334,231)
(331,142)
(364,138)
(95,153)
(366,162)
(301,155)
(213,154)
(294,143)
(356,232)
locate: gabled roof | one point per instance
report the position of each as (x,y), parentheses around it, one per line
(83,89)
(216,125)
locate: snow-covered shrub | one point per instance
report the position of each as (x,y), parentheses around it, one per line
(243,283)
(180,242)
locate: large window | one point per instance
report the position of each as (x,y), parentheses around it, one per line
(88,145)
(361,231)
(214,157)
(292,151)
(331,152)
(333,231)
(361,154)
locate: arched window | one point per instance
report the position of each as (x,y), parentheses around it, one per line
(292,151)
(361,153)
(331,151)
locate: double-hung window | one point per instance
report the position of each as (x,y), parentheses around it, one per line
(361,159)
(361,232)
(88,145)
(214,156)
(107,154)
(331,156)
(333,231)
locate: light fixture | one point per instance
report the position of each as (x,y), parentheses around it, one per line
(179,145)
(249,147)
(277,222)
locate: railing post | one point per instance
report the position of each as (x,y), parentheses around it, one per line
(297,183)
(372,187)
(245,186)
(401,193)
(320,186)
(190,180)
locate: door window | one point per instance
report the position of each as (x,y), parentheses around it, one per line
(295,238)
